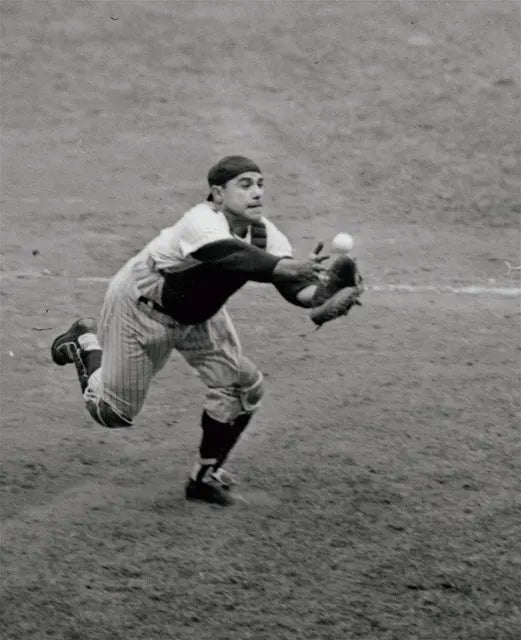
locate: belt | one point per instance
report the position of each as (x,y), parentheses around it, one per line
(151,304)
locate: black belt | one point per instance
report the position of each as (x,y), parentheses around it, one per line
(151,304)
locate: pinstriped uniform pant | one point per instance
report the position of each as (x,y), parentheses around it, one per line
(137,341)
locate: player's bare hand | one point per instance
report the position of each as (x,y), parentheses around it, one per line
(289,269)
(314,255)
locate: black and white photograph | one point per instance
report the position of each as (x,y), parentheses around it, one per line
(260,336)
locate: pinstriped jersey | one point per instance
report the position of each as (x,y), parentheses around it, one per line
(169,256)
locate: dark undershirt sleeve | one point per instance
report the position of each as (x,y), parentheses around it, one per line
(239,257)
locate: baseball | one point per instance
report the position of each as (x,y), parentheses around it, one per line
(342,243)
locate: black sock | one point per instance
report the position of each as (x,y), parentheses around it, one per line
(235,430)
(218,440)
(214,439)
(92,360)
(86,363)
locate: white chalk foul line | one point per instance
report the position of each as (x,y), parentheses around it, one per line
(381,288)
(403,288)
(472,290)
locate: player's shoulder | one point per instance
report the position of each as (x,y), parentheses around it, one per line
(205,217)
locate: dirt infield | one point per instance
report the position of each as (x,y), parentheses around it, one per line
(380,482)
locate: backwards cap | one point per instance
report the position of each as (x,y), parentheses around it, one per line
(228,168)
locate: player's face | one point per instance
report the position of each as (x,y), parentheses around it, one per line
(242,196)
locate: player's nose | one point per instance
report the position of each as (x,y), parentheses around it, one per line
(257,192)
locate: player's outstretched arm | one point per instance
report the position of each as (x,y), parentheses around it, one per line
(256,264)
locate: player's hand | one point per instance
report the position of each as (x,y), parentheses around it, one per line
(314,255)
(289,269)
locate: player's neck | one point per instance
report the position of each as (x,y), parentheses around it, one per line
(240,231)
(238,227)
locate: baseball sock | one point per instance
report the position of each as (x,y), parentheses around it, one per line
(88,358)
(214,439)
(235,430)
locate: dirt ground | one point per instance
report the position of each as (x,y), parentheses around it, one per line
(381,479)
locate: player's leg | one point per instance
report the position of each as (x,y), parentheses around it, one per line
(250,387)
(115,373)
(79,345)
(234,392)
(135,347)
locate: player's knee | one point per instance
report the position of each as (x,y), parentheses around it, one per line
(251,384)
(226,403)
(106,416)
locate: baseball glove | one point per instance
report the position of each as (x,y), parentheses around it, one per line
(338,291)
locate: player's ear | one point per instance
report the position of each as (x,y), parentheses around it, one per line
(217,193)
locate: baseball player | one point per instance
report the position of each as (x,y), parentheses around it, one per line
(171,295)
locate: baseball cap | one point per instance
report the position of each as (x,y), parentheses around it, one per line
(228,168)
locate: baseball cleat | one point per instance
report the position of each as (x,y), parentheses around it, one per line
(223,478)
(63,349)
(207,491)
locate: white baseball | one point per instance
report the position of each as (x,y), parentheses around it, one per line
(342,243)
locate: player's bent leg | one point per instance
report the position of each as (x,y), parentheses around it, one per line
(115,373)
(135,348)
(79,346)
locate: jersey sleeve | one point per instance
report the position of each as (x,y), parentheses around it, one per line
(202,226)
(277,243)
